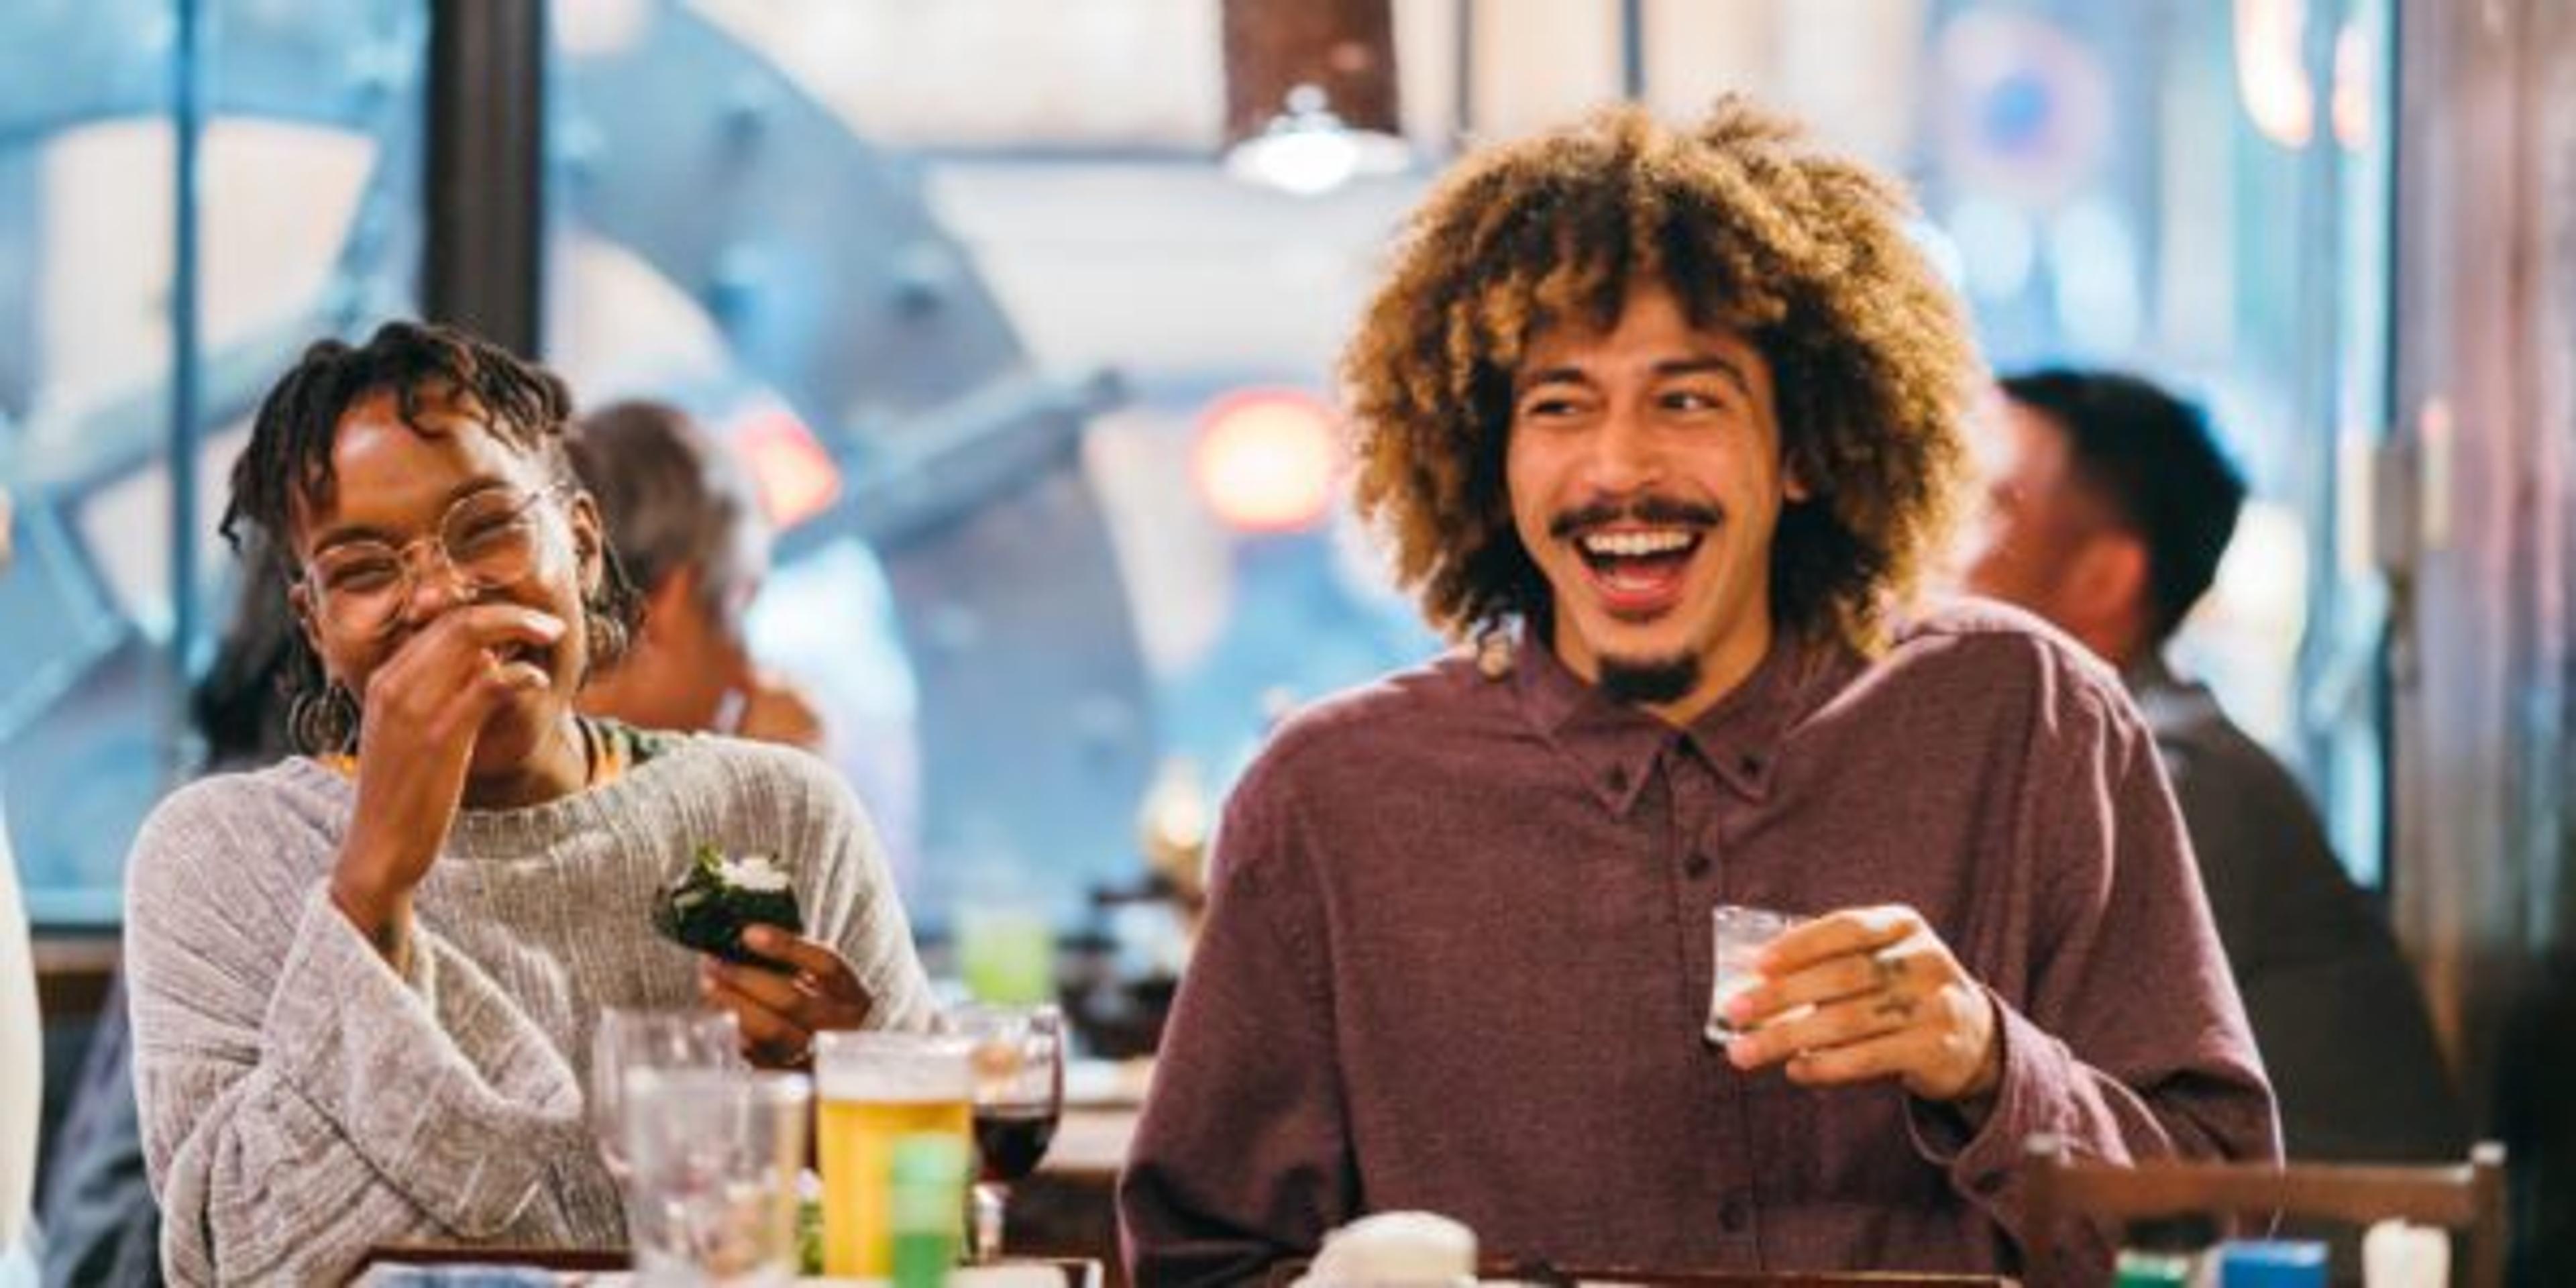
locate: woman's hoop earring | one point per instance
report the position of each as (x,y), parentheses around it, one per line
(608,639)
(324,723)
(1496,652)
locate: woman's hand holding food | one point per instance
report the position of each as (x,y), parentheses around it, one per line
(422,710)
(780,1007)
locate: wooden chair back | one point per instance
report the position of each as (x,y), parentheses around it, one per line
(1536,1274)
(2466,1198)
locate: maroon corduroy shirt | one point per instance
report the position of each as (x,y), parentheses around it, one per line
(1458,960)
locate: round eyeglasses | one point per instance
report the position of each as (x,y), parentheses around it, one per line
(489,541)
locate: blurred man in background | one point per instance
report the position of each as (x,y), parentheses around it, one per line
(2109,503)
(684,520)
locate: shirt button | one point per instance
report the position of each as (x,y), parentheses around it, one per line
(1696,865)
(1617,778)
(1750,764)
(1988,1184)
(1734,1214)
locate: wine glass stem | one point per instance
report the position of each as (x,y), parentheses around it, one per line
(991,1197)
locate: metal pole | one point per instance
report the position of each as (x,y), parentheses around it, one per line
(187,125)
(1632,50)
(485,256)
(1462,108)
(2396,629)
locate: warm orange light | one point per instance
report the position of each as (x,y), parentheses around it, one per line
(796,477)
(1265,460)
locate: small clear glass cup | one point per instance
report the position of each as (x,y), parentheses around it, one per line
(632,1038)
(714,1157)
(1739,934)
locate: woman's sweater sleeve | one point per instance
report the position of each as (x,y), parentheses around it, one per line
(301,1101)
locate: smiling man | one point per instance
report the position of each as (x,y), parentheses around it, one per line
(1631,451)
(1667,424)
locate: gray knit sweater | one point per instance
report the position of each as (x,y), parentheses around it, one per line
(302,1102)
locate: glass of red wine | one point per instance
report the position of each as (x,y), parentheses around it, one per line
(1018,1063)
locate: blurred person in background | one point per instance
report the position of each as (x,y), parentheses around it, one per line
(102,1228)
(686,522)
(22,1047)
(363,980)
(22,1077)
(1682,408)
(2108,505)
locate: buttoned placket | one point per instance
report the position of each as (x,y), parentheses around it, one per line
(1700,798)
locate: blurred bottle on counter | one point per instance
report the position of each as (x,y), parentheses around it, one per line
(1006,954)
(925,1204)
(2172,1252)
(1127,963)
(2272,1264)
(1172,829)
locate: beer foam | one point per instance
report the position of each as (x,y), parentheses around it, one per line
(885,1068)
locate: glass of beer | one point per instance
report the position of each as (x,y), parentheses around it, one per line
(874,1089)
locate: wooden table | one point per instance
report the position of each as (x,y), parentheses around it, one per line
(1070,1207)
(1090,1144)
(1545,1276)
(580,1267)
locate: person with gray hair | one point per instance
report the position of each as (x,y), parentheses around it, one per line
(687,524)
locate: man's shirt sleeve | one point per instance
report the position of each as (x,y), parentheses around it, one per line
(1242,1157)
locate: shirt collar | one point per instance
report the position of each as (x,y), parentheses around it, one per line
(2149,671)
(2167,700)
(1614,745)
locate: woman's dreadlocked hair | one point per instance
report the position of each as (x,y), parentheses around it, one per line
(1750,226)
(288,462)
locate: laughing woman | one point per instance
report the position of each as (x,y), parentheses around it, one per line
(364,980)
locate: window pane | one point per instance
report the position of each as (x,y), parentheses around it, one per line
(307,213)
(1020,592)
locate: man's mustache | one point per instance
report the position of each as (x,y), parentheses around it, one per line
(1648,511)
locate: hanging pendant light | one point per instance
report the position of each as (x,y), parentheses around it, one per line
(1308,150)
(1310,93)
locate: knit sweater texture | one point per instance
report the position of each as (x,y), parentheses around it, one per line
(302,1101)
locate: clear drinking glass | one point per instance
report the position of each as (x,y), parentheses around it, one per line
(1740,933)
(1018,1061)
(632,1038)
(714,1157)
